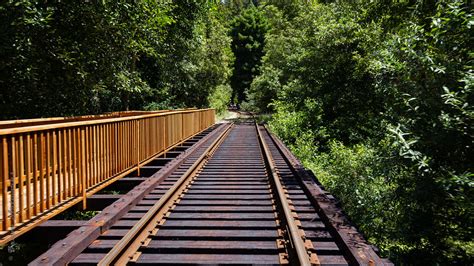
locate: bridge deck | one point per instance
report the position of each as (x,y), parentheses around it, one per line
(236,196)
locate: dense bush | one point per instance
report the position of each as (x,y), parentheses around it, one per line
(219,99)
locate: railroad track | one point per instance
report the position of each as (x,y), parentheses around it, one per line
(237,198)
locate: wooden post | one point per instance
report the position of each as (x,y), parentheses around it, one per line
(21,193)
(165,135)
(12,182)
(5,221)
(42,157)
(28,171)
(138,147)
(48,175)
(35,175)
(83,168)
(55,176)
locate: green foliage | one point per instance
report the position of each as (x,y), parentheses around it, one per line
(366,179)
(213,57)
(376,98)
(248,33)
(48,71)
(219,99)
(79,215)
(264,89)
(21,253)
(292,124)
(74,57)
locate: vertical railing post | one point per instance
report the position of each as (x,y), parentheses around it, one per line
(54,175)
(165,133)
(29,170)
(182,128)
(5,221)
(138,146)
(83,168)
(21,193)
(12,182)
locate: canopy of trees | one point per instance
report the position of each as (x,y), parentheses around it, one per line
(62,58)
(374,96)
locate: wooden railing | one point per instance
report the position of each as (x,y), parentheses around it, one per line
(47,168)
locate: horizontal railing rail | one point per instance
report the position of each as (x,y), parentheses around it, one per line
(45,168)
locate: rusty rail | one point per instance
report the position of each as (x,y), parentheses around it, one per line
(49,167)
(130,243)
(305,257)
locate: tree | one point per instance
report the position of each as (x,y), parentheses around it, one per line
(248,37)
(71,58)
(377,100)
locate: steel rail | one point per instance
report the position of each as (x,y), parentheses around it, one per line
(128,245)
(355,247)
(296,239)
